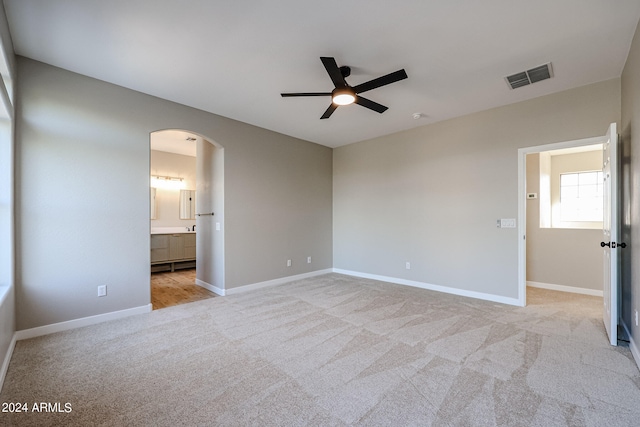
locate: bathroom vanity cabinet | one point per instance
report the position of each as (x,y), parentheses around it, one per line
(173,251)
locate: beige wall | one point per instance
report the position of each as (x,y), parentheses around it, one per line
(562,256)
(210,196)
(630,133)
(168,200)
(82,176)
(431,196)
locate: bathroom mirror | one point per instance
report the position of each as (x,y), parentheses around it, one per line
(152,203)
(187,204)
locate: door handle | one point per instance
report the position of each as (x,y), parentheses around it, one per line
(613,245)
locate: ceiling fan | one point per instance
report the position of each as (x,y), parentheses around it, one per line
(343,94)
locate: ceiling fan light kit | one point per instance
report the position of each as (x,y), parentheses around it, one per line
(343,94)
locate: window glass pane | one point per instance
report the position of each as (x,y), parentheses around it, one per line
(588,191)
(586,178)
(568,179)
(591,205)
(599,191)
(568,193)
(581,196)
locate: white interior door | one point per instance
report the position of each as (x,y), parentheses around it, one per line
(610,229)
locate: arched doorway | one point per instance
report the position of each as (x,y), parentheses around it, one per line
(187,217)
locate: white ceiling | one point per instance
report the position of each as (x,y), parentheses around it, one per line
(234,58)
(575,150)
(174,141)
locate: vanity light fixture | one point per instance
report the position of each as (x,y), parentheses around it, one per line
(167,182)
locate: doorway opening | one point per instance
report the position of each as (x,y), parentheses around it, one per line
(186,193)
(555,242)
(610,245)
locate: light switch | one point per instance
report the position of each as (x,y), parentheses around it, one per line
(508,223)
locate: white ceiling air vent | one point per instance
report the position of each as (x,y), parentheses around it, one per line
(533,75)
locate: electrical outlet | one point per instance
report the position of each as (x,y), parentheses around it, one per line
(288,263)
(407,265)
(308,260)
(102,291)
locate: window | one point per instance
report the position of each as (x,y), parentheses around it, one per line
(581,196)
(7,254)
(570,187)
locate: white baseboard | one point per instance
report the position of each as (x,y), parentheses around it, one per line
(79,323)
(7,359)
(633,346)
(431,287)
(210,287)
(275,282)
(563,288)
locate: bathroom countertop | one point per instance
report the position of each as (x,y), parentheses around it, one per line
(171,230)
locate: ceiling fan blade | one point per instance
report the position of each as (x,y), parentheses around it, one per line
(370,104)
(329,111)
(381,81)
(285,95)
(334,71)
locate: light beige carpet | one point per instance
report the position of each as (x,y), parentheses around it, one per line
(333,351)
